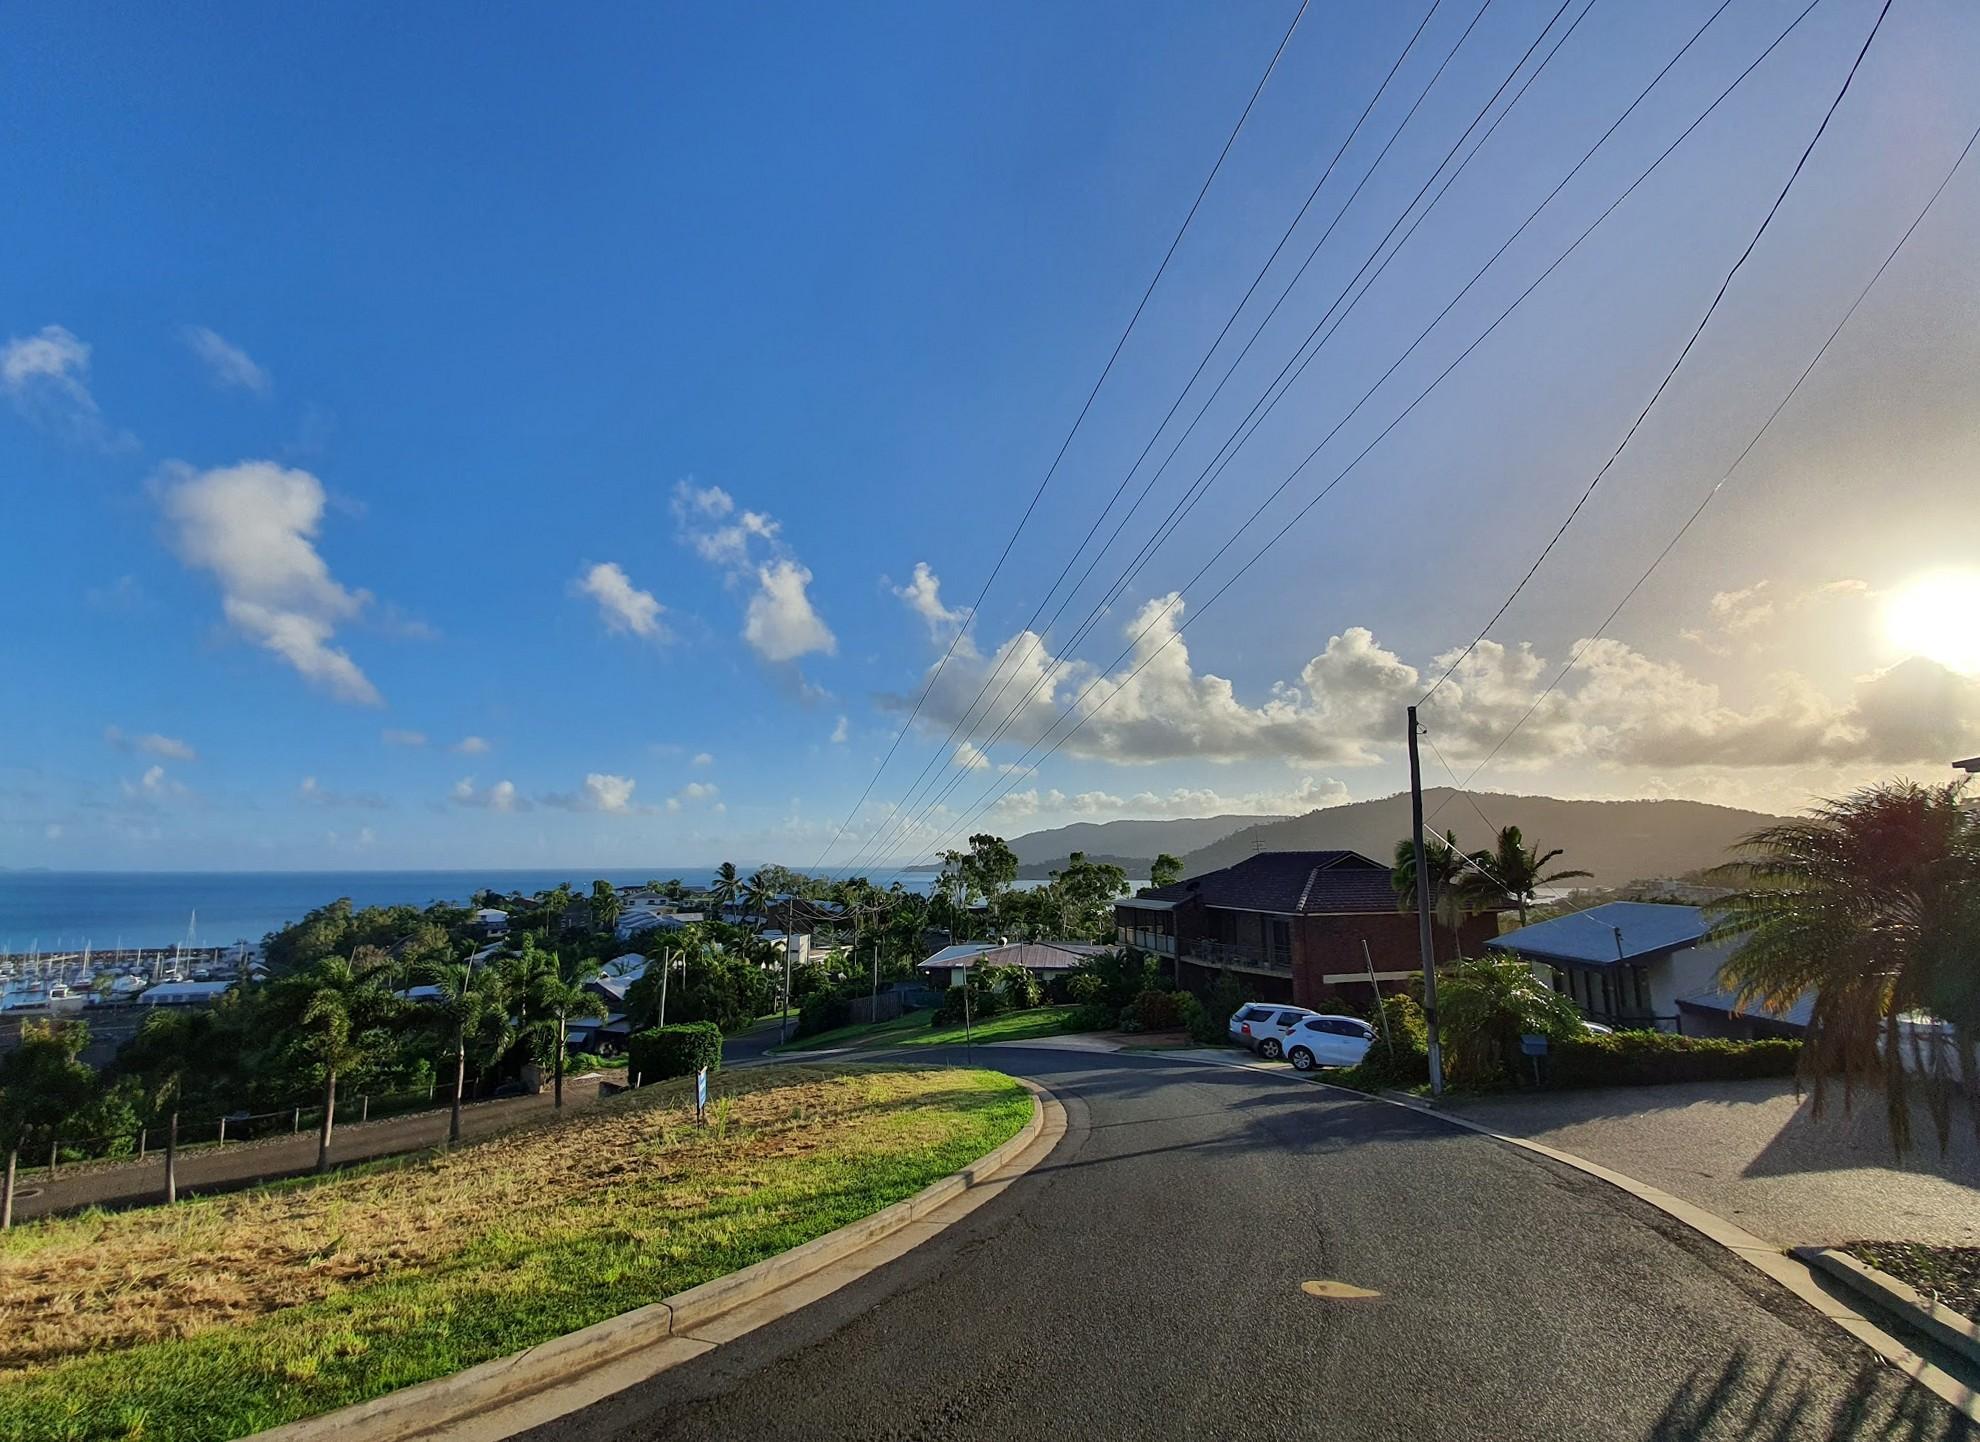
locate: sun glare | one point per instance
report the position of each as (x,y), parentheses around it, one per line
(1938,617)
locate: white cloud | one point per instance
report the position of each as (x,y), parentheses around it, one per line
(781,624)
(602,792)
(838,737)
(499,797)
(394,737)
(472,746)
(46,377)
(1308,795)
(702,758)
(923,595)
(621,604)
(152,787)
(969,758)
(253,526)
(225,362)
(316,794)
(692,793)
(151,743)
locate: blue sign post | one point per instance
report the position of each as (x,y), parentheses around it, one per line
(1534,1044)
(701,1097)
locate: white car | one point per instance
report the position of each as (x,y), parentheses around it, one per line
(1328,1041)
(1262,1027)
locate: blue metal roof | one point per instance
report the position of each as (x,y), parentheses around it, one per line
(1716,1000)
(1604,935)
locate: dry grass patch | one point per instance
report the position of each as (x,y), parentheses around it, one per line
(302,1296)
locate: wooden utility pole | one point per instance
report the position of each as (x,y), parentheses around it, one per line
(1423,940)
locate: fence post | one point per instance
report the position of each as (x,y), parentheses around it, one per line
(364,1115)
(53,1144)
(7,1198)
(223,1131)
(172,1159)
(144,1134)
(429,1090)
(295,1121)
(635,1081)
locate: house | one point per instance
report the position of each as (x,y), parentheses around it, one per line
(490,922)
(1307,927)
(1043,959)
(1646,965)
(185,993)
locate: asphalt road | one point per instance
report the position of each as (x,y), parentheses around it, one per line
(1145,1281)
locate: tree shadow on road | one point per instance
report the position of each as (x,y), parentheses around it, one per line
(1737,1400)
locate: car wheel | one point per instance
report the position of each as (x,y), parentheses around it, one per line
(1302,1059)
(1270,1049)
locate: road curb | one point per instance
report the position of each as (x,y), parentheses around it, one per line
(440,1404)
(1788,1271)
(1950,1329)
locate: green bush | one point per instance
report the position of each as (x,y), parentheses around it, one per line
(1092,1016)
(1078,987)
(824,1011)
(984,1003)
(1400,1057)
(1155,1010)
(671,1051)
(1485,1007)
(1652,1058)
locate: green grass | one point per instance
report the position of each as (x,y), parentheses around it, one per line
(1009,1026)
(866,1032)
(223,1316)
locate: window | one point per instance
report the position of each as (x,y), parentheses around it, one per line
(1258,1013)
(1288,1018)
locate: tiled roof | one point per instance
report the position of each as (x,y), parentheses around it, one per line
(1290,883)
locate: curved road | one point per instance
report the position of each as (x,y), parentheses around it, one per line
(1145,1281)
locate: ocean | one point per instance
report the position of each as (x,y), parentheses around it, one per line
(59,910)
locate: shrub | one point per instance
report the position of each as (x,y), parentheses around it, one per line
(1078,987)
(824,1011)
(1400,1057)
(671,1051)
(984,1003)
(1485,1007)
(1091,1016)
(1651,1058)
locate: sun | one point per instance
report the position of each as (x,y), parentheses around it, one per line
(1938,616)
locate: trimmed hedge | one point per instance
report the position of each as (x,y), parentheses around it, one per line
(671,1051)
(824,1011)
(1652,1058)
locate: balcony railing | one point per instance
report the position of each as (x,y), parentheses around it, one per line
(1235,956)
(1145,940)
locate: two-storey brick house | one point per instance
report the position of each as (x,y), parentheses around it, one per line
(1300,926)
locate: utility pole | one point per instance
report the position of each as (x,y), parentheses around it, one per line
(1423,943)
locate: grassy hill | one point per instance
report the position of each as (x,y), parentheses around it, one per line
(1620,841)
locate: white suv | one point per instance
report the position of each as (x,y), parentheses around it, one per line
(1328,1041)
(1263,1027)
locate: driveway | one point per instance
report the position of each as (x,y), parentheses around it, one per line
(1145,1280)
(1755,1153)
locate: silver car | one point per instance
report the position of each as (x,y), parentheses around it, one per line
(1263,1026)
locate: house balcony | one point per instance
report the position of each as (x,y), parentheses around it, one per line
(1235,956)
(1142,939)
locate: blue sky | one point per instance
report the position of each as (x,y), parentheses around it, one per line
(451,436)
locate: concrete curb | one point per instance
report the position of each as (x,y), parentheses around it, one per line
(1953,1330)
(440,1404)
(1763,1256)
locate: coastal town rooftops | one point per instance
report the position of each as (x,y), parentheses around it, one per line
(1031,955)
(1285,883)
(1627,931)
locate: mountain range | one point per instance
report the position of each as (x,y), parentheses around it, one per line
(1619,841)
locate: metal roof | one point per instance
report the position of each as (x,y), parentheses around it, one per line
(1032,955)
(1715,1000)
(1286,883)
(1606,934)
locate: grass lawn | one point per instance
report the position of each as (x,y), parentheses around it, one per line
(226,1315)
(1008,1026)
(887,1032)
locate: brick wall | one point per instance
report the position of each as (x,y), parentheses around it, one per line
(1332,944)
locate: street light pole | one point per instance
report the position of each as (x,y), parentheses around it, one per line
(1423,943)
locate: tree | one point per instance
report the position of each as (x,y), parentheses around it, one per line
(1871,903)
(1451,887)
(727,887)
(605,906)
(554,992)
(1166,871)
(43,1083)
(336,1017)
(1082,898)
(1519,870)
(759,893)
(475,1007)
(1485,1007)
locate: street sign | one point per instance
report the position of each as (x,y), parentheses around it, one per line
(1532,1043)
(700,1094)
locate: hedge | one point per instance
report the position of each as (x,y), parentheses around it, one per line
(1652,1058)
(670,1051)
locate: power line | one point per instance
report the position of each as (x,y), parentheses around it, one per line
(1267,400)
(1719,485)
(1078,420)
(915,786)
(1406,412)
(1383,434)
(1670,374)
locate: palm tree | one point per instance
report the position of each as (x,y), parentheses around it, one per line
(554,992)
(1450,883)
(728,886)
(474,1002)
(335,1010)
(1872,903)
(1520,870)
